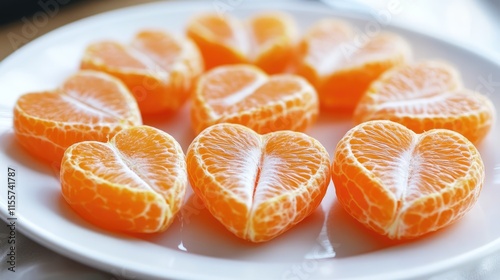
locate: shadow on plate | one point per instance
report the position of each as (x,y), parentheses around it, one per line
(196,231)
(350,238)
(12,149)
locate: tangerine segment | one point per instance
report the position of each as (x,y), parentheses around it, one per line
(157,67)
(404,185)
(424,96)
(341,64)
(89,106)
(136,182)
(245,95)
(273,35)
(257,186)
(266,40)
(221,40)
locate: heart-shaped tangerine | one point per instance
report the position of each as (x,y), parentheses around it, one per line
(341,63)
(424,96)
(136,182)
(402,184)
(257,186)
(266,40)
(89,105)
(244,94)
(157,67)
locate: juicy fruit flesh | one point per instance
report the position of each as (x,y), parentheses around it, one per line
(150,52)
(268,30)
(246,89)
(159,68)
(424,96)
(265,40)
(331,47)
(404,185)
(341,66)
(117,55)
(224,29)
(317,44)
(165,54)
(421,81)
(88,106)
(125,186)
(243,94)
(77,102)
(222,90)
(247,39)
(257,186)
(81,112)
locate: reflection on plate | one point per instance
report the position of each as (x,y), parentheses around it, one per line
(328,244)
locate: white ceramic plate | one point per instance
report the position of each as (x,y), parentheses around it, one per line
(327,245)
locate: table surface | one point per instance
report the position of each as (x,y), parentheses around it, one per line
(473,23)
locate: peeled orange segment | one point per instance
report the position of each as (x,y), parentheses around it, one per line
(221,40)
(136,182)
(89,105)
(266,40)
(273,35)
(402,184)
(341,64)
(424,96)
(257,186)
(243,94)
(157,67)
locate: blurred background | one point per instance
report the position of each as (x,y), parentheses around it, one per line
(474,23)
(22,21)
